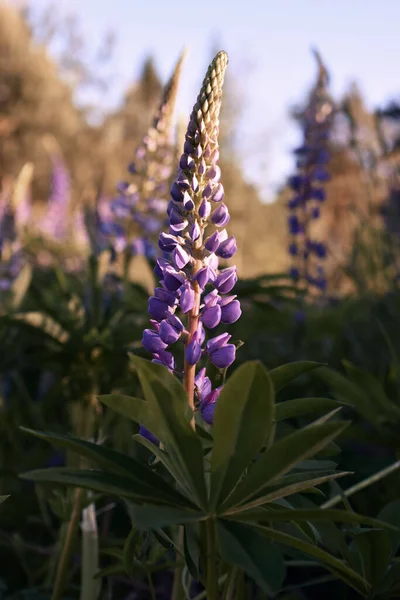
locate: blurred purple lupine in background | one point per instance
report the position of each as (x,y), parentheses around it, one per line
(54,224)
(191,281)
(308,185)
(11,259)
(139,209)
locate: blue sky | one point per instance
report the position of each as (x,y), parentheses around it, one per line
(268,42)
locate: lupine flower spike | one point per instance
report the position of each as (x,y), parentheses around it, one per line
(307,185)
(11,259)
(55,222)
(191,283)
(139,210)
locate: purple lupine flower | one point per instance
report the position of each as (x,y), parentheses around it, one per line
(191,281)
(308,193)
(139,209)
(55,222)
(11,252)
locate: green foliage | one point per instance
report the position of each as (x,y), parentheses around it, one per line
(251,496)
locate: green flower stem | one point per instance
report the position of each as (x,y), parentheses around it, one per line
(177,589)
(211,554)
(192,325)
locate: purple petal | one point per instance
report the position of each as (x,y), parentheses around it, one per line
(176,192)
(175,322)
(203,384)
(211,299)
(207,412)
(187,298)
(167,241)
(203,276)
(227,249)
(158,309)
(231,312)
(180,257)
(211,317)
(152,341)
(166,359)
(148,435)
(172,279)
(218,194)
(226,280)
(165,296)
(224,357)
(217,342)
(176,221)
(220,216)
(188,202)
(204,209)
(201,334)
(193,352)
(214,173)
(212,242)
(208,190)
(168,333)
(160,265)
(195,231)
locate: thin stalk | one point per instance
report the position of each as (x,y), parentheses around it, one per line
(63,565)
(229,591)
(83,418)
(362,485)
(211,558)
(90,587)
(54,556)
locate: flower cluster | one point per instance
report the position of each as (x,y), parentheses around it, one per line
(308,185)
(54,224)
(192,284)
(139,209)
(11,258)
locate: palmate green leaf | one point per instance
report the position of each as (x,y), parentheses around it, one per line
(192,550)
(334,565)
(242,422)
(303,406)
(348,392)
(103,482)
(117,569)
(114,462)
(244,547)
(135,409)
(390,585)
(272,514)
(162,456)
(375,553)
(168,401)
(280,458)
(156,517)
(374,391)
(284,374)
(264,496)
(131,546)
